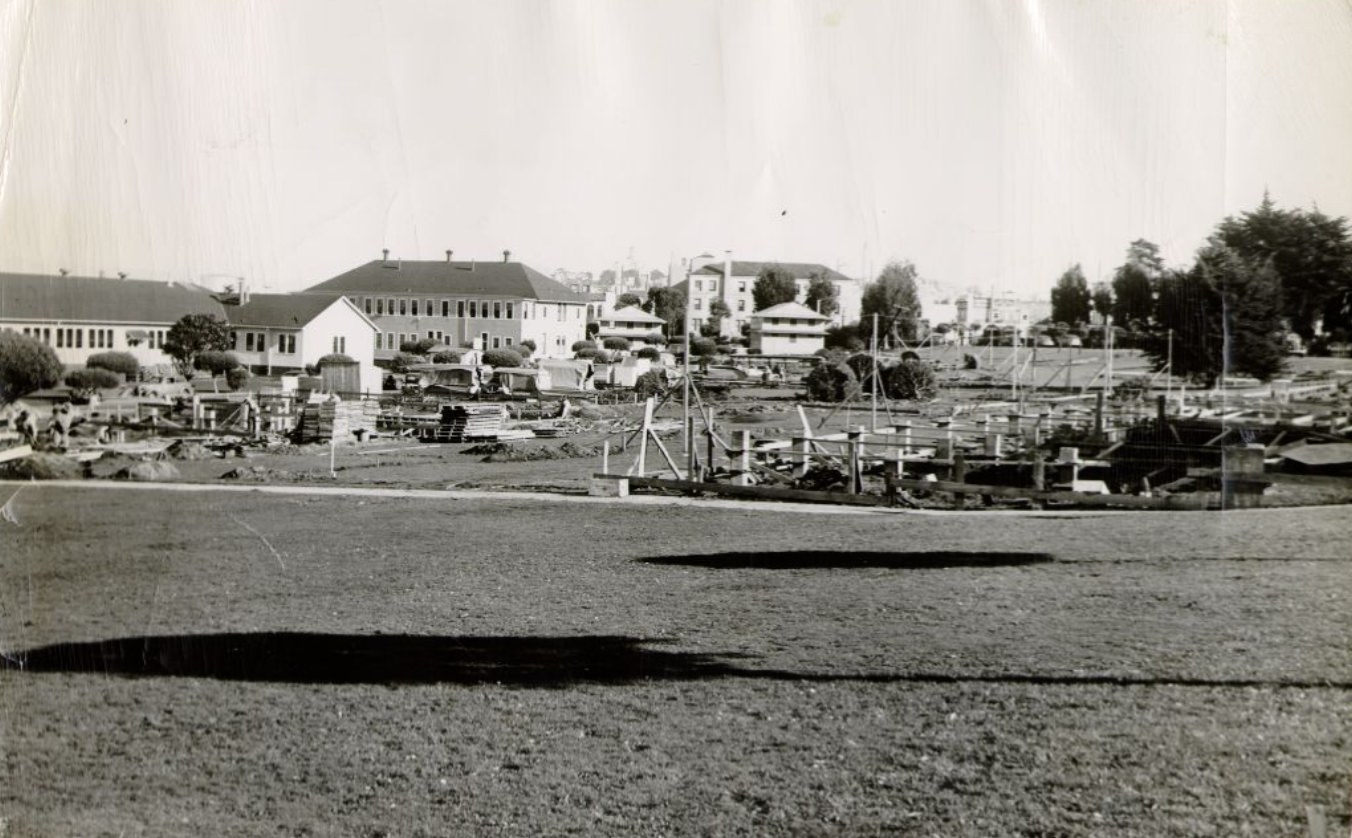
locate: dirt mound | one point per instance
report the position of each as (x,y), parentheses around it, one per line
(152,471)
(42,466)
(508,452)
(186,450)
(256,473)
(592,412)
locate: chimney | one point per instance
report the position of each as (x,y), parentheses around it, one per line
(506,255)
(448,256)
(385,255)
(121,274)
(62,271)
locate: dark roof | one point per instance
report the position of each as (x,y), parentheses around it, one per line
(491,279)
(280,310)
(800,270)
(90,299)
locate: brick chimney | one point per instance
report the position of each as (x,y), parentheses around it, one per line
(506,255)
(448,256)
(385,255)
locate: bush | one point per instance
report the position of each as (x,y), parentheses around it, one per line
(910,380)
(847,338)
(417,347)
(87,381)
(703,347)
(335,358)
(119,362)
(215,361)
(600,356)
(831,383)
(527,347)
(862,365)
(651,383)
(239,376)
(402,362)
(26,364)
(654,339)
(616,344)
(502,358)
(650,353)
(580,345)
(449,356)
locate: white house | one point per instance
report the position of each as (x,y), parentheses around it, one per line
(79,316)
(629,322)
(732,282)
(282,333)
(787,329)
(467,303)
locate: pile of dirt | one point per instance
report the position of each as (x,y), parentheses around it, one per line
(256,473)
(593,412)
(508,452)
(150,471)
(188,450)
(42,466)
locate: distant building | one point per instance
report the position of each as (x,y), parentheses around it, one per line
(485,304)
(79,316)
(787,329)
(277,333)
(630,322)
(732,282)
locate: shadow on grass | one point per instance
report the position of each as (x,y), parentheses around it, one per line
(829,559)
(542,662)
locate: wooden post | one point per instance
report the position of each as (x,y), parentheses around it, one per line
(690,456)
(959,476)
(906,438)
(901,463)
(1160,412)
(712,451)
(856,476)
(1098,415)
(804,446)
(643,438)
(605,457)
(744,460)
(1039,471)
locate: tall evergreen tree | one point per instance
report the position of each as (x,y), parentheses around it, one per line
(893,296)
(1071,297)
(774,285)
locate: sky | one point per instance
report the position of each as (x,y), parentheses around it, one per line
(993,143)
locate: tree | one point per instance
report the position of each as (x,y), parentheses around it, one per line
(84,382)
(215,362)
(26,364)
(894,298)
(1225,317)
(193,334)
(579,345)
(334,358)
(910,379)
(502,358)
(1071,297)
(823,296)
(774,285)
(236,378)
(628,299)
(831,382)
(418,346)
(1102,299)
(1310,253)
(616,343)
(651,383)
(668,304)
(1134,284)
(403,361)
(704,347)
(649,353)
(713,327)
(526,347)
(447,356)
(607,278)
(119,362)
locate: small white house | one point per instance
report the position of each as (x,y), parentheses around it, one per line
(280,333)
(631,322)
(787,329)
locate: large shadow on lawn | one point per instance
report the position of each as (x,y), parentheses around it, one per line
(830,559)
(547,662)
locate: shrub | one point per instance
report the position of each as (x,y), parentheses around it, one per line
(402,362)
(703,347)
(119,362)
(26,364)
(651,383)
(527,347)
(87,381)
(580,345)
(417,347)
(502,358)
(335,358)
(215,361)
(449,356)
(862,365)
(649,353)
(617,344)
(910,380)
(192,335)
(239,376)
(831,383)
(654,338)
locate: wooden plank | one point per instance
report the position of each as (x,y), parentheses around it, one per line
(15,453)
(1133,501)
(756,492)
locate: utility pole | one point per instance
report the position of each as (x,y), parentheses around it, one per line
(873,353)
(685,400)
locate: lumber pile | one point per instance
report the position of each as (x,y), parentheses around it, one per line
(462,422)
(332,418)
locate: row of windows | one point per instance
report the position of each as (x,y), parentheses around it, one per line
(67,338)
(697,304)
(478,309)
(258,342)
(393,340)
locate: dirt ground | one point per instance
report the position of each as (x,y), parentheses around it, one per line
(253,663)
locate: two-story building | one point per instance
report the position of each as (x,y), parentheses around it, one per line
(787,329)
(630,322)
(462,303)
(79,316)
(732,282)
(284,333)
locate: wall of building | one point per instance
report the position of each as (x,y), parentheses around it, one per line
(74,343)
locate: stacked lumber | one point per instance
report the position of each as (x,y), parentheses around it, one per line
(461,422)
(321,421)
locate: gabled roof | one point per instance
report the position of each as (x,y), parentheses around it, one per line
(629,314)
(796,311)
(800,270)
(286,311)
(482,279)
(77,299)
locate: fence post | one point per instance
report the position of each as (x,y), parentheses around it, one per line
(744,460)
(856,443)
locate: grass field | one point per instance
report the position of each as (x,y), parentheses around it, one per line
(247,663)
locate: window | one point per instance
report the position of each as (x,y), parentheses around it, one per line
(445,308)
(339,344)
(741,286)
(389,305)
(497,343)
(483,309)
(366,304)
(473,308)
(793,338)
(506,341)
(414,312)
(286,344)
(61,338)
(563,312)
(79,338)
(697,305)
(380,306)
(497,310)
(403,307)
(525,311)
(47,336)
(248,341)
(427,308)
(543,312)
(508,308)
(459,308)
(699,285)
(741,305)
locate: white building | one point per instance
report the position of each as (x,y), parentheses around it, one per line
(79,316)
(787,329)
(284,333)
(732,282)
(631,322)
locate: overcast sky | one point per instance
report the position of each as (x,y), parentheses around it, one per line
(992,143)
